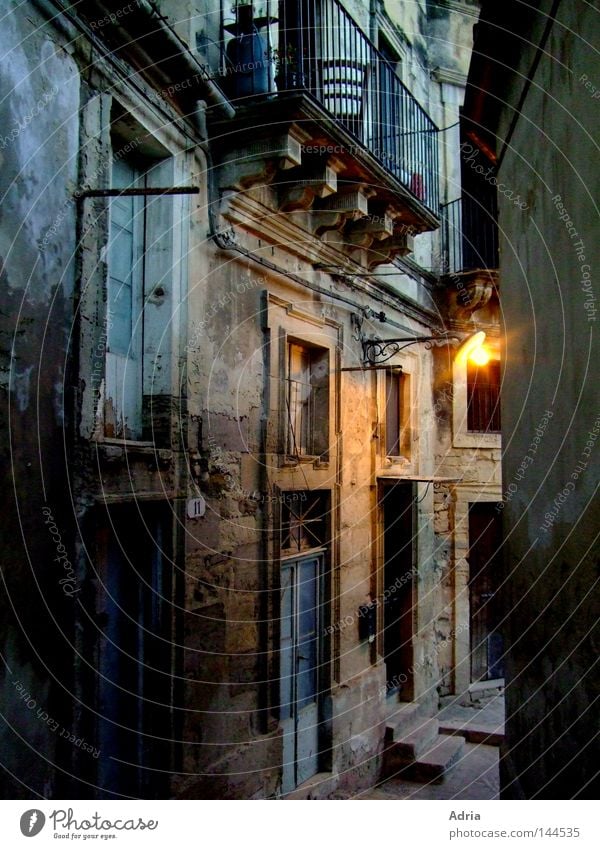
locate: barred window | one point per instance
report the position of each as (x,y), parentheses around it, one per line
(307,401)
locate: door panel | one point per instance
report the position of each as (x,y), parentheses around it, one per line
(399,544)
(135,680)
(307,660)
(485,539)
(123,390)
(299,662)
(307,632)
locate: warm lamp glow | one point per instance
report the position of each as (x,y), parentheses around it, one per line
(469,346)
(479,356)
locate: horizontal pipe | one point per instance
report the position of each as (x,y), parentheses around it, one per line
(115,193)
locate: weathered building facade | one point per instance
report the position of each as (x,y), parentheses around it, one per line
(258,449)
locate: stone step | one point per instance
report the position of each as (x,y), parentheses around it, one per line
(481,691)
(404,718)
(417,740)
(436,761)
(430,766)
(473,733)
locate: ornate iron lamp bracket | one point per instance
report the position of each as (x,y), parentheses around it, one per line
(377,351)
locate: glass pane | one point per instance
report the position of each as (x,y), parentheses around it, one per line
(392,414)
(307,631)
(122,256)
(286,659)
(119,327)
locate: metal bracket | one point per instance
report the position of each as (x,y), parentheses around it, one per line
(377,351)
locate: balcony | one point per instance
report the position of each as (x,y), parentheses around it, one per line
(470,254)
(347,97)
(469,234)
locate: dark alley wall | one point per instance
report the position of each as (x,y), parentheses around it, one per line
(550,257)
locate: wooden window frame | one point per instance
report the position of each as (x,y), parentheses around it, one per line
(483,398)
(397,431)
(307,401)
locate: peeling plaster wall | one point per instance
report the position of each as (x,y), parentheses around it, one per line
(37,241)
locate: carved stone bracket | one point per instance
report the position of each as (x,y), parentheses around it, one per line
(297,197)
(400,244)
(315,179)
(353,200)
(379,225)
(323,221)
(258,162)
(470,291)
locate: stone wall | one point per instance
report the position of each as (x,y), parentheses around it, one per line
(549,304)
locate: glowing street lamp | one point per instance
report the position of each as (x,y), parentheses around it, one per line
(480,356)
(473,349)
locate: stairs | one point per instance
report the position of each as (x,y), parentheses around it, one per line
(414,748)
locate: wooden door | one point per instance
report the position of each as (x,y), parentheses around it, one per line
(135,678)
(399,544)
(485,539)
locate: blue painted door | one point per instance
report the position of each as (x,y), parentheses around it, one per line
(299,668)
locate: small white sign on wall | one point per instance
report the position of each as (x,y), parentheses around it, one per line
(196,508)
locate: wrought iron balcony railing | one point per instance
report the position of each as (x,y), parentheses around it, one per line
(314,46)
(469,235)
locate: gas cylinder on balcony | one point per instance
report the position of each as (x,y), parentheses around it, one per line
(247,59)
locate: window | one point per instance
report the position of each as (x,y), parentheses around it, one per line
(390,54)
(483,397)
(307,401)
(141,280)
(397,414)
(303,521)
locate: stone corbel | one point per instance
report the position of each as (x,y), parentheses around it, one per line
(297,197)
(352,200)
(358,238)
(323,221)
(350,203)
(315,179)
(258,162)
(471,291)
(400,244)
(291,147)
(379,225)
(243,169)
